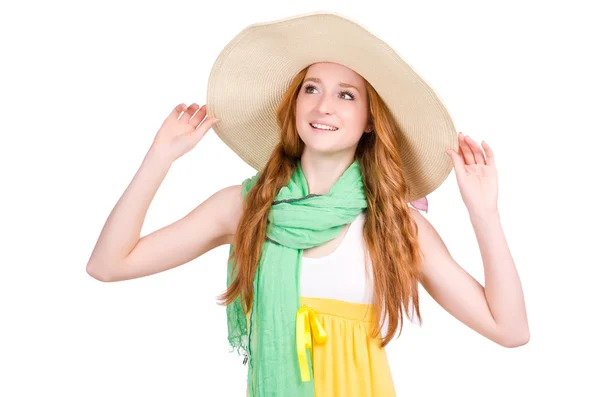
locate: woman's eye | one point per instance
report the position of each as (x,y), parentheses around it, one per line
(311,87)
(347,93)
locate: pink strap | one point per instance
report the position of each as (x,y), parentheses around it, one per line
(420,204)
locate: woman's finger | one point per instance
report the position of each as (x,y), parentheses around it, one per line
(207,124)
(477,152)
(466,150)
(177,111)
(189,112)
(198,117)
(490,159)
(457,161)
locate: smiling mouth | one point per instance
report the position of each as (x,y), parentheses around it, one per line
(332,129)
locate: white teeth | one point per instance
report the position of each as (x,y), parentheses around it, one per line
(323,127)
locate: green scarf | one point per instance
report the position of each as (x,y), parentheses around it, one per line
(297,221)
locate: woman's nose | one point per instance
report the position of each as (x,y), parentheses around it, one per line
(325,104)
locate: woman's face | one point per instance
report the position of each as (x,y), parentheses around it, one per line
(325,98)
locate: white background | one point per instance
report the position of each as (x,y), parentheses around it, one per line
(85,86)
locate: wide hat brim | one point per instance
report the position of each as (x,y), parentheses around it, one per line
(253,71)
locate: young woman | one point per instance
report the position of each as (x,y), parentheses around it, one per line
(325,253)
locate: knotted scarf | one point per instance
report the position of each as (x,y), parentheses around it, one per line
(296,221)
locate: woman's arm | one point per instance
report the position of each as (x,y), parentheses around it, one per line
(496,311)
(119,253)
(121,231)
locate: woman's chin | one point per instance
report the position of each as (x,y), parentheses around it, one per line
(321,144)
(321,148)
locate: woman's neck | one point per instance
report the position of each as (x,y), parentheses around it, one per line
(323,172)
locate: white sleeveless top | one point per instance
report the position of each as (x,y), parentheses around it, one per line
(345,274)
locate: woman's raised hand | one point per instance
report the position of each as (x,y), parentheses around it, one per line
(178,135)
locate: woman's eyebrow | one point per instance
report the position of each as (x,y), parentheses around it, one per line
(318,80)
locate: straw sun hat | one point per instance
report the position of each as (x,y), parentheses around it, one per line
(253,71)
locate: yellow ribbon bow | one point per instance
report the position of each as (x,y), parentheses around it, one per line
(307,323)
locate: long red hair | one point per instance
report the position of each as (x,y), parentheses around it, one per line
(389,231)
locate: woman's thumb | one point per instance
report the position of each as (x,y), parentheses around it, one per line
(456,160)
(204,127)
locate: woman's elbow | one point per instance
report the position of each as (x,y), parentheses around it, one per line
(515,339)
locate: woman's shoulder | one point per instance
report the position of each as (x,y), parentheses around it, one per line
(229,202)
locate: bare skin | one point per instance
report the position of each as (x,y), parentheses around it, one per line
(120,253)
(496,311)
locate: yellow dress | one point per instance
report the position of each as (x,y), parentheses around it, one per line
(351,362)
